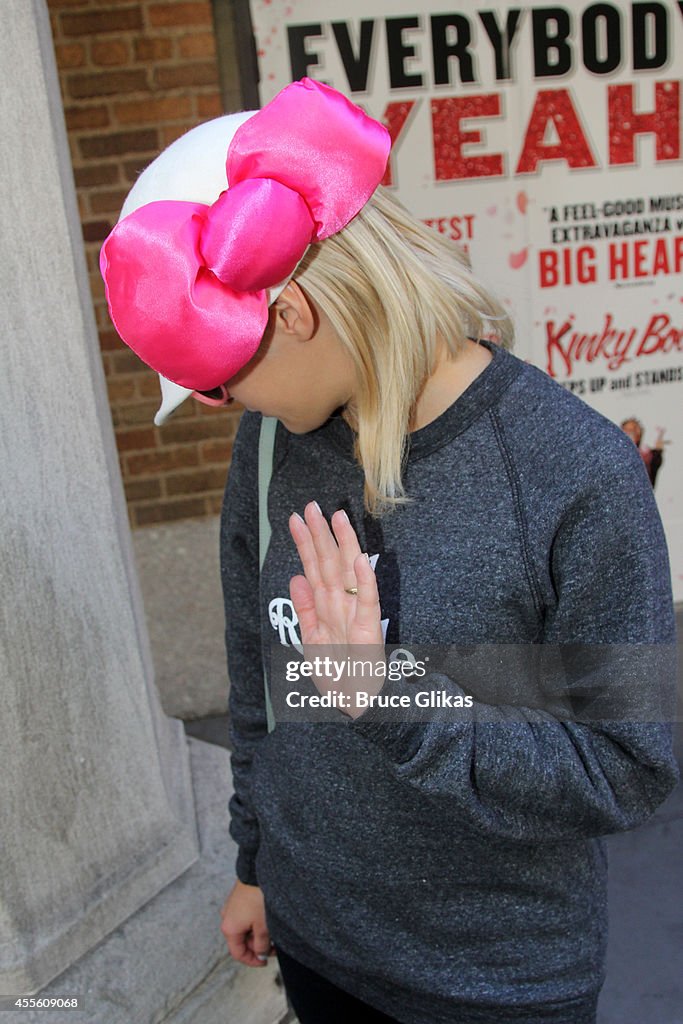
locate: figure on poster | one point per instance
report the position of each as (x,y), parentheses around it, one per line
(652,457)
(414,870)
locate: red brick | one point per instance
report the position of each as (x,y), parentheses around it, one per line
(161,461)
(215,451)
(116,143)
(158,48)
(209,105)
(136,440)
(91,23)
(128,362)
(132,168)
(167,108)
(199,44)
(137,489)
(110,54)
(96,174)
(177,432)
(96,230)
(91,256)
(86,117)
(96,286)
(189,508)
(120,389)
(102,318)
(107,83)
(132,415)
(214,504)
(185,411)
(192,483)
(186,75)
(83,207)
(110,341)
(148,387)
(167,15)
(73,151)
(108,202)
(169,133)
(70,55)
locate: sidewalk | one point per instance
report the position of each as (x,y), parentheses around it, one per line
(178,567)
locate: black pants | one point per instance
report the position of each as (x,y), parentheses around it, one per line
(317,1001)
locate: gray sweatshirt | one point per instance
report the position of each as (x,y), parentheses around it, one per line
(452,871)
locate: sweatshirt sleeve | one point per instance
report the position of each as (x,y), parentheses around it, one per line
(240,579)
(529,775)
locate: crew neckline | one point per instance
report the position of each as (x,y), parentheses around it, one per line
(477,397)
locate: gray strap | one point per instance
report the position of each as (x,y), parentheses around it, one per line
(266,447)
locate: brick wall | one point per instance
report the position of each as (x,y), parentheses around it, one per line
(134,76)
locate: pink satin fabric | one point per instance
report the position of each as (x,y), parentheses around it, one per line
(187,283)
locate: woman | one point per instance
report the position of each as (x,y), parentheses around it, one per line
(417,868)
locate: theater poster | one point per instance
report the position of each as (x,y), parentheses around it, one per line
(547,140)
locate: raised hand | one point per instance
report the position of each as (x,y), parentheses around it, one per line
(336,599)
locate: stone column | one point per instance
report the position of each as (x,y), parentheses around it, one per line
(95,788)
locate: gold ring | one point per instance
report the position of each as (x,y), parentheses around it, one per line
(351,590)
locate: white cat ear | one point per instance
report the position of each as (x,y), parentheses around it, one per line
(172,396)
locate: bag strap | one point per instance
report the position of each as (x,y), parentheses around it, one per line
(266,448)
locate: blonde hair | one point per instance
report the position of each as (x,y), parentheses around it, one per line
(391,288)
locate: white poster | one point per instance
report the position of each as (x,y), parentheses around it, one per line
(547,140)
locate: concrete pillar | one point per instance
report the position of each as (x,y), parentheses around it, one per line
(95,788)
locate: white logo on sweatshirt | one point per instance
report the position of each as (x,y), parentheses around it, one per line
(284,619)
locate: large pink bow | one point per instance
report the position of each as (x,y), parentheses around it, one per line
(187,284)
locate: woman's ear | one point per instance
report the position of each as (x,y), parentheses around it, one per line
(295,314)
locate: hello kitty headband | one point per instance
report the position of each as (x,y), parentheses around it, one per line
(190,273)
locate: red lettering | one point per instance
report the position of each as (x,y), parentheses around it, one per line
(395,117)
(461,227)
(625,124)
(554,345)
(660,264)
(585,264)
(579,264)
(639,256)
(611,344)
(659,336)
(618,261)
(548,275)
(645,257)
(554,108)
(449,136)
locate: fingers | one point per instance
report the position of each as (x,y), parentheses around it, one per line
(303,539)
(325,547)
(239,942)
(349,548)
(326,557)
(243,924)
(334,565)
(367,599)
(304,605)
(239,950)
(260,945)
(247,949)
